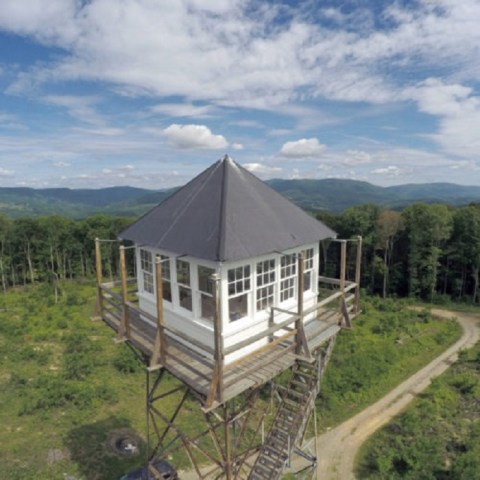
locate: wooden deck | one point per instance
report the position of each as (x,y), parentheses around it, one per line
(198,369)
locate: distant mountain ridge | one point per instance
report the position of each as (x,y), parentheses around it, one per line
(326,194)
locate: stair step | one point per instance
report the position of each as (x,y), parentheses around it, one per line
(284,418)
(298,384)
(270,462)
(292,403)
(280,447)
(293,394)
(305,373)
(278,458)
(263,472)
(281,454)
(301,363)
(277,433)
(283,426)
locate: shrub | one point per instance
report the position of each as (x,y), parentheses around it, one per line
(79,359)
(125,361)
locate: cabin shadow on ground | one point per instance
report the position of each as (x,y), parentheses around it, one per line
(107,449)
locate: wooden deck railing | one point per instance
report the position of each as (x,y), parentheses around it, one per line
(285,330)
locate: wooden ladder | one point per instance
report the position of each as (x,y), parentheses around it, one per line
(298,401)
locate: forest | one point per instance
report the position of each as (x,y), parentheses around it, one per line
(426,251)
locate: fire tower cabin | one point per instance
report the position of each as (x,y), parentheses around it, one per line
(228,284)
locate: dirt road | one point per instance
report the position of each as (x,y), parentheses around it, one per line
(338,447)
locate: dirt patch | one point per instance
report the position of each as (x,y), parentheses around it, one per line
(56,455)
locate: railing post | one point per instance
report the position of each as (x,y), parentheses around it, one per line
(343,269)
(357,274)
(218,337)
(343,264)
(158,355)
(124,331)
(98,268)
(271,322)
(299,321)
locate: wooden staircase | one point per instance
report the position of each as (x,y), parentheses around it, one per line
(291,420)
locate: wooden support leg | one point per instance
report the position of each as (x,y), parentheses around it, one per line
(98,267)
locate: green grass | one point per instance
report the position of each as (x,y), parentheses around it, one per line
(437,437)
(388,343)
(65,385)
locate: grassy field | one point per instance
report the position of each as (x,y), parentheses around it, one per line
(438,437)
(388,343)
(66,389)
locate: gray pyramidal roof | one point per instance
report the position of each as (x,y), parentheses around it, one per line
(225,214)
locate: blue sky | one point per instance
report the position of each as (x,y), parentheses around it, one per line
(148,93)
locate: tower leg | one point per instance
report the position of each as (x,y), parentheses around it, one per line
(219,444)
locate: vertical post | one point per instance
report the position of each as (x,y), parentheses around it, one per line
(271,323)
(147,413)
(218,337)
(98,268)
(343,264)
(125,326)
(357,274)
(299,322)
(159,348)
(228,444)
(343,269)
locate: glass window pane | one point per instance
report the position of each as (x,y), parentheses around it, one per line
(146,261)
(148,282)
(185,297)
(238,307)
(205,282)
(183,272)
(167,291)
(165,267)
(307,281)
(207,307)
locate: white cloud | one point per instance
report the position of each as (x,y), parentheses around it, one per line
(105,131)
(6,173)
(237,146)
(220,51)
(459,112)
(61,164)
(305,147)
(357,157)
(194,136)
(183,110)
(390,171)
(262,169)
(79,107)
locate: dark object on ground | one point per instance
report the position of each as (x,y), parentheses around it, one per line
(164,468)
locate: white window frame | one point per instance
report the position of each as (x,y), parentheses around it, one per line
(242,285)
(180,285)
(146,269)
(288,276)
(203,292)
(308,268)
(266,280)
(166,276)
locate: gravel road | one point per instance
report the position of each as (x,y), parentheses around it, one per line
(337,448)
